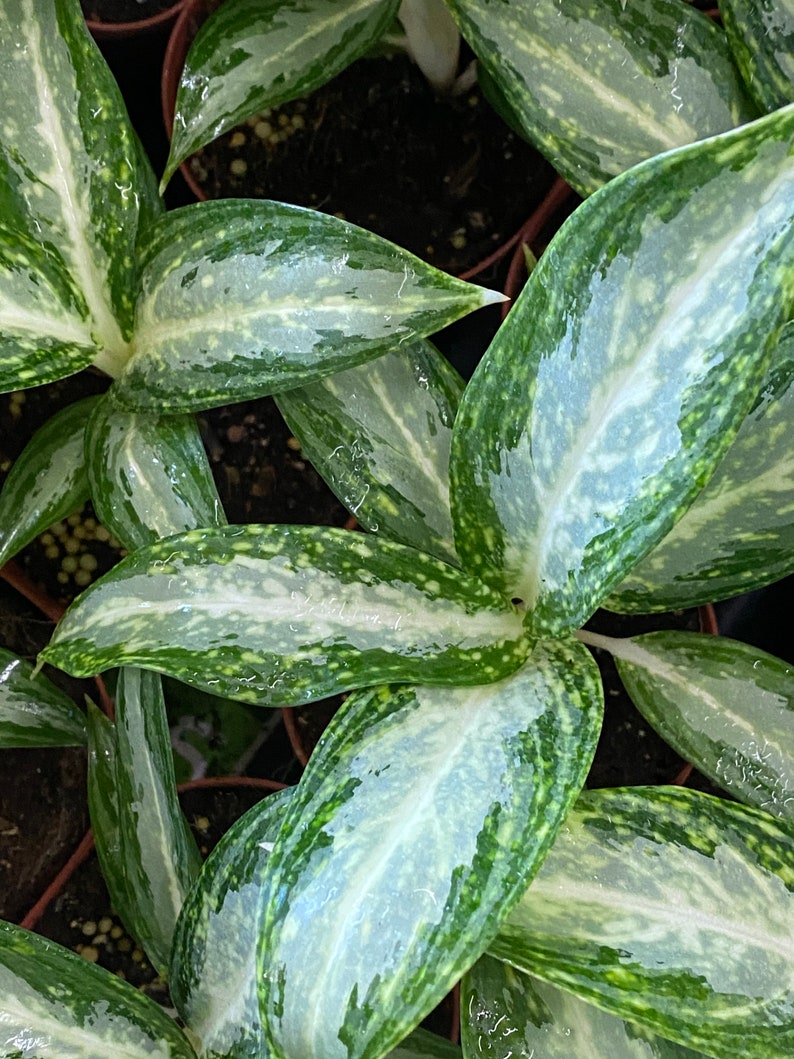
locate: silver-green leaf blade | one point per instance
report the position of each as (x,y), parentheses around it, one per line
(149,475)
(380,435)
(48,481)
(505,1009)
(33,711)
(738,535)
(422,814)
(625,368)
(600,86)
(246,297)
(671,909)
(761,35)
(212,978)
(723,705)
(280,615)
(53,1002)
(254,54)
(77,186)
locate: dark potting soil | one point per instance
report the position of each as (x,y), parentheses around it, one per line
(442,177)
(119,11)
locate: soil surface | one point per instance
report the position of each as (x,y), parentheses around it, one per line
(119,11)
(443,177)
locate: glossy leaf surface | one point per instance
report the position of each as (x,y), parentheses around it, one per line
(73,179)
(55,1003)
(506,1012)
(738,535)
(243,297)
(423,1045)
(212,980)
(253,54)
(421,816)
(33,711)
(672,909)
(380,434)
(279,615)
(600,85)
(761,35)
(48,482)
(619,378)
(149,475)
(723,705)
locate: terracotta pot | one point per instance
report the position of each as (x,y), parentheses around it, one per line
(120,30)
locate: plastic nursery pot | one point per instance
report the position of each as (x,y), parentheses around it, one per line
(444,178)
(152,16)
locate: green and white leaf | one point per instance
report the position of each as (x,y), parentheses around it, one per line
(149,475)
(159,855)
(723,705)
(420,1044)
(73,177)
(738,535)
(212,979)
(55,1003)
(600,85)
(761,36)
(421,816)
(280,615)
(508,1012)
(672,909)
(624,370)
(243,297)
(253,54)
(33,711)
(47,482)
(380,434)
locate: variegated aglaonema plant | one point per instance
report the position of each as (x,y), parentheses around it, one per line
(624,443)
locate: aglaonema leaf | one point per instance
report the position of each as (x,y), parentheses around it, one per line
(254,54)
(421,816)
(624,370)
(241,298)
(738,535)
(380,434)
(33,711)
(723,705)
(600,86)
(505,1011)
(48,481)
(279,615)
(149,475)
(212,979)
(53,1002)
(671,909)
(75,186)
(761,36)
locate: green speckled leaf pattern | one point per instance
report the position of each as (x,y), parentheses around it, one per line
(506,1012)
(150,476)
(47,482)
(280,615)
(380,434)
(158,854)
(246,297)
(254,54)
(600,85)
(723,705)
(212,979)
(672,909)
(738,535)
(33,711)
(628,363)
(53,1003)
(761,35)
(73,176)
(420,818)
